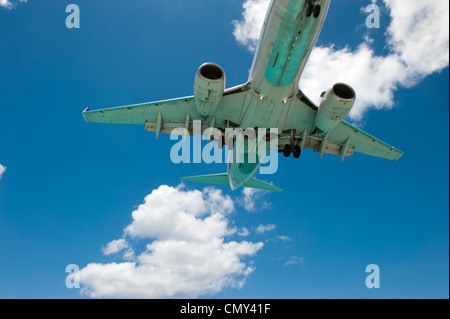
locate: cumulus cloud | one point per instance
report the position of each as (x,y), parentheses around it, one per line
(373,78)
(188,256)
(418,43)
(261,229)
(284,238)
(180,218)
(115,246)
(5,3)
(244,232)
(294,260)
(8,4)
(419,34)
(2,170)
(247,31)
(251,199)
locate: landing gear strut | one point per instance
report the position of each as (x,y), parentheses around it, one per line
(295,145)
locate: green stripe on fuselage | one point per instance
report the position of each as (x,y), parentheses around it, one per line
(292,44)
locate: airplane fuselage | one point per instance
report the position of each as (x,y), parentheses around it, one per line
(288,36)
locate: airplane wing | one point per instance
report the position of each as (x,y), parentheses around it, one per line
(173,110)
(165,116)
(363,142)
(343,140)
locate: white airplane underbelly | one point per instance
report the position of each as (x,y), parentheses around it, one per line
(286,42)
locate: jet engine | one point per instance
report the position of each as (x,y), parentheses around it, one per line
(208,88)
(335,105)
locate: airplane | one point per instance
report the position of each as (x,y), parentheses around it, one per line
(270,99)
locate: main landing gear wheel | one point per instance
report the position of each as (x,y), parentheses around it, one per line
(317,11)
(287,150)
(297,151)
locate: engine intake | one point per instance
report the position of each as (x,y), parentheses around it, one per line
(209,87)
(335,106)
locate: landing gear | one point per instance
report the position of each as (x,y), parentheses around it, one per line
(287,150)
(317,9)
(312,9)
(295,144)
(297,151)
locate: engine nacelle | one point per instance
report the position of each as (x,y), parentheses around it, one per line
(208,88)
(336,104)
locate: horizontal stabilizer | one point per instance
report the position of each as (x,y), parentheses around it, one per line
(254,183)
(221,179)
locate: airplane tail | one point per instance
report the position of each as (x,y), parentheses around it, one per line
(222,179)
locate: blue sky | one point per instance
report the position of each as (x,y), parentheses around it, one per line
(70,188)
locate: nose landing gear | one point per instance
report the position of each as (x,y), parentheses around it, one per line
(313,9)
(317,10)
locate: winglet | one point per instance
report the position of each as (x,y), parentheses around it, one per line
(84,114)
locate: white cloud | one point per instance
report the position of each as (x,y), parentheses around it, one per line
(8,4)
(2,170)
(5,3)
(188,256)
(244,232)
(418,42)
(129,255)
(261,229)
(294,260)
(284,238)
(115,246)
(373,78)
(248,30)
(180,216)
(419,34)
(251,197)
(247,200)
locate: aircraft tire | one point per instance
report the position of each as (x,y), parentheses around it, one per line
(287,150)
(317,10)
(297,151)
